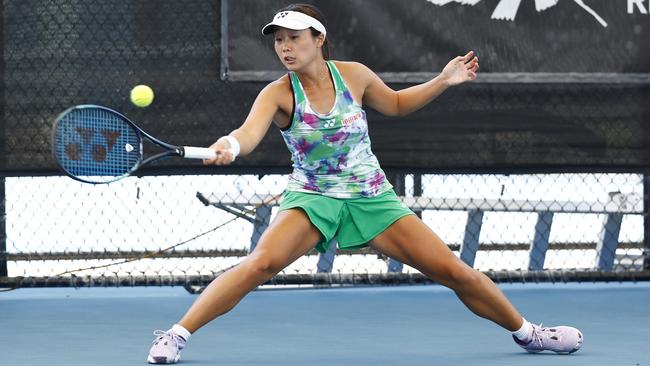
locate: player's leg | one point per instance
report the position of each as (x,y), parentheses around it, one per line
(287,238)
(410,241)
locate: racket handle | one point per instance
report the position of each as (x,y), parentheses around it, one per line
(190,152)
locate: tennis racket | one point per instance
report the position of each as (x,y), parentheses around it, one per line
(95,144)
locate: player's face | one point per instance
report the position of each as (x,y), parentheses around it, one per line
(296,48)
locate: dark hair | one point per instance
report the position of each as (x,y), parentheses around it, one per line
(313,12)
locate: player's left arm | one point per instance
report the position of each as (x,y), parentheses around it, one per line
(400,103)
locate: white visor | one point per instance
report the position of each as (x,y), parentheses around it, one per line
(293,20)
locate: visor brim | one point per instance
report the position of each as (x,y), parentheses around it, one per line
(284,23)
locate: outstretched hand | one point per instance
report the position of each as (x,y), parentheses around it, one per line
(461,69)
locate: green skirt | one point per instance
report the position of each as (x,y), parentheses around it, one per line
(352,221)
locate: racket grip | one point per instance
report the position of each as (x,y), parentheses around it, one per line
(190,152)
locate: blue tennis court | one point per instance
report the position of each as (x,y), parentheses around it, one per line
(414,325)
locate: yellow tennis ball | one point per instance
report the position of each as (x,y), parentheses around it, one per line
(141,95)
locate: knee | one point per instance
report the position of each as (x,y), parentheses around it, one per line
(460,275)
(261,264)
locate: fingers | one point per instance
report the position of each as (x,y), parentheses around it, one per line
(473,65)
(472,62)
(467,57)
(224,157)
(472,68)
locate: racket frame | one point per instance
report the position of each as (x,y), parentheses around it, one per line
(171,150)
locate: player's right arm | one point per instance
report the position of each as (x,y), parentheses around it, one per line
(251,132)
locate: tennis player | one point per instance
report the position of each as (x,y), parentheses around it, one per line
(337,188)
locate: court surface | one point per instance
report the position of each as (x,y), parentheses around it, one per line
(410,326)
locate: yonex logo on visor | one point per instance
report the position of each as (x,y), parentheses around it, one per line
(294,20)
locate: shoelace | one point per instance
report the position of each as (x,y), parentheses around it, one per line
(538,331)
(161,334)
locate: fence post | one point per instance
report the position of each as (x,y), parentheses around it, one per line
(537,253)
(417,191)
(3,229)
(225,66)
(399,184)
(326,260)
(470,244)
(3,162)
(262,220)
(608,242)
(646,221)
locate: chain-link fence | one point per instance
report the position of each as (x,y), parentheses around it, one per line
(187,229)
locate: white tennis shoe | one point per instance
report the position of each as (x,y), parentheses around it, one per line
(563,340)
(166,347)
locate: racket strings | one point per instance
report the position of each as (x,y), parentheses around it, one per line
(95,144)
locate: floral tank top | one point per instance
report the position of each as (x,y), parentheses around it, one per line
(331,152)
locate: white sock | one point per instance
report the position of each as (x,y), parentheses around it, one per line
(523,334)
(181,331)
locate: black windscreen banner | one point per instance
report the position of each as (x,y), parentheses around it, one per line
(59,54)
